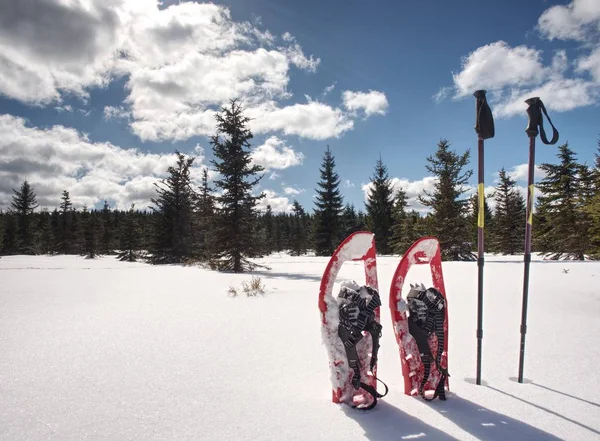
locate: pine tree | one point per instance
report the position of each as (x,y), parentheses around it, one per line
(329,206)
(129,237)
(558,203)
(380,205)
(449,211)
(9,240)
(46,235)
(402,238)
(350,221)
(91,232)
(236,206)
(65,245)
(509,220)
(23,204)
(298,233)
(107,240)
(268,221)
(206,213)
(173,238)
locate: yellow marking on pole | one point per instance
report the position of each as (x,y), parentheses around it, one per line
(530,219)
(481,215)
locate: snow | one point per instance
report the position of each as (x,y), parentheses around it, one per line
(109,350)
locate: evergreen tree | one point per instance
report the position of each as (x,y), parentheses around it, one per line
(46,235)
(23,204)
(173,238)
(350,221)
(268,221)
(236,206)
(449,211)
(329,206)
(298,233)
(401,240)
(9,241)
(206,213)
(65,244)
(449,221)
(107,240)
(559,204)
(380,205)
(508,236)
(130,237)
(91,232)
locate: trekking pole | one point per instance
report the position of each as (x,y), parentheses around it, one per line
(484,126)
(534,111)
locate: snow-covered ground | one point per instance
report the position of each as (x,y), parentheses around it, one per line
(107,350)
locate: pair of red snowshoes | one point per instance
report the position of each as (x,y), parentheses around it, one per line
(352,355)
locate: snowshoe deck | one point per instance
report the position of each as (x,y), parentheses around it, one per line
(424,251)
(359,246)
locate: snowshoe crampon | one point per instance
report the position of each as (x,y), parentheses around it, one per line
(425,370)
(350,324)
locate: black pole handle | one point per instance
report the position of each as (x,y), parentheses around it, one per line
(534,111)
(484,120)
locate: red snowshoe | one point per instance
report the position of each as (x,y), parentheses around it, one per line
(347,320)
(424,361)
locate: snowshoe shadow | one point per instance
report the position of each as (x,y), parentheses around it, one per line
(387,422)
(487,424)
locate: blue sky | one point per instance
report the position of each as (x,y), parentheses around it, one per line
(78,92)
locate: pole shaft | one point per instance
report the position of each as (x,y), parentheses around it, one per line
(480,256)
(527,256)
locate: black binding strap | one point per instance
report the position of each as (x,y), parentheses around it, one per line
(421,333)
(535,109)
(484,121)
(373,392)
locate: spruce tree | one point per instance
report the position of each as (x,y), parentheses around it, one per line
(402,235)
(173,238)
(380,205)
(449,211)
(9,240)
(350,221)
(559,204)
(298,233)
(91,232)
(65,244)
(46,235)
(206,213)
(107,239)
(129,237)
(236,208)
(509,220)
(329,205)
(23,205)
(269,228)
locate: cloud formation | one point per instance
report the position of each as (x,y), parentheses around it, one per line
(60,158)
(182,64)
(513,74)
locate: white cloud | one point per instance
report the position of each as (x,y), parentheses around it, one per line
(579,20)
(279,204)
(60,158)
(372,102)
(413,190)
(520,173)
(293,191)
(274,154)
(273,176)
(497,65)
(348,183)
(591,64)
(119,112)
(182,63)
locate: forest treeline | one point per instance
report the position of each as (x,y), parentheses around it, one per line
(222,227)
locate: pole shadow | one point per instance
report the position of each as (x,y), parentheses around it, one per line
(388,423)
(583,400)
(486,424)
(552,412)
